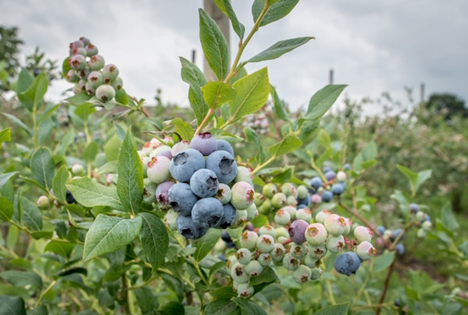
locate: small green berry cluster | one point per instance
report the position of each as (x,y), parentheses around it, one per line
(272,198)
(90,73)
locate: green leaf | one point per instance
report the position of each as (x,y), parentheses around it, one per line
(252,93)
(108,234)
(221,307)
(249,308)
(111,148)
(268,275)
(89,154)
(31,214)
(91,194)
(415,179)
(22,278)
(109,167)
(223,293)
(339,309)
(276,11)
(130,185)
(63,249)
(323,100)
(369,152)
(205,244)
(43,167)
(278,108)
(6,209)
(289,144)
(217,93)
(122,97)
(25,79)
(196,79)
(45,130)
(422,177)
(252,136)
(4,136)
(12,305)
(448,218)
(146,300)
(17,122)
(226,8)
(172,308)
(154,239)
(120,131)
(382,262)
(280,48)
(58,184)
(183,128)
(32,97)
(214,45)
(79,99)
(4,178)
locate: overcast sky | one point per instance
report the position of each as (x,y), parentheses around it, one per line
(373,46)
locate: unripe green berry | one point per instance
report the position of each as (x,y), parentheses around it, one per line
(421,233)
(301,274)
(243,256)
(72,76)
(322,216)
(269,190)
(298,251)
(265,259)
(96,63)
(310,262)
(426,226)
(252,212)
(335,224)
(304,214)
(254,268)
(259,199)
(171,219)
(105,93)
(96,79)
(267,230)
(316,273)
(278,200)
(289,190)
(239,274)
(244,174)
(43,202)
(281,231)
(223,194)
(265,243)
(365,251)
(278,252)
(266,207)
(117,84)
(248,240)
(316,234)
(292,211)
(291,201)
(317,251)
(335,244)
(110,72)
(282,217)
(290,262)
(77,169)
(420,216)
(89,89)
(245,290)
(302,191)
(362,234)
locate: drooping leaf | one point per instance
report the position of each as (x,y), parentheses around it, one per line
(32,97)
(217,93)
(278,107)
(32,216)
(205,244)
(321,102)
(4,136)
(4,178)
(12,305)
(43,167)
(289,144)
(6,209)
(280,48)
(154,239)
(18,122)
(63,249)
(214,45)
(58,184)
(252,93)
(196,79)
(183,128)
(89,154)
(91,194)
(130,187)
(226,7)
(22,278)
(108,234)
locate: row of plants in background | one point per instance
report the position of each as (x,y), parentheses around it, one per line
(202,216)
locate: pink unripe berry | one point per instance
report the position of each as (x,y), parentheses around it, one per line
(180,146)
(365,250)
(362,234)
(77,62)
(341,176)
(316,199)
(242,195)
(335,224)
(158,169)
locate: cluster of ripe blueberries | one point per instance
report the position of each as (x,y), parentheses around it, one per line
(200,181)
(90,73)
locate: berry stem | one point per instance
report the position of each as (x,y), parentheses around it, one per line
(360,217)
(286,242)
(385,288)
(258,168)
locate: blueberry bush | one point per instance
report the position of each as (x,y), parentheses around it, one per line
(108,206)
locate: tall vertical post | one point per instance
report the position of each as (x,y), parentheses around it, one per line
(223,22)
(330,77)
(421,89)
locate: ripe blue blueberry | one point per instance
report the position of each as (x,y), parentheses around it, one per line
(189,229)
(381,229)
(330,175)
(226,237)
(327,196)
(223,165)
(400,249)
(204,183)
(162,193)
(347,263)
(326,169)
(204,143)
(414,208)
(185,163)
(297,231)
(223,145)
(316,182)
(105,93)
(208,212)
(337,189)
(182,199)
(304,201)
